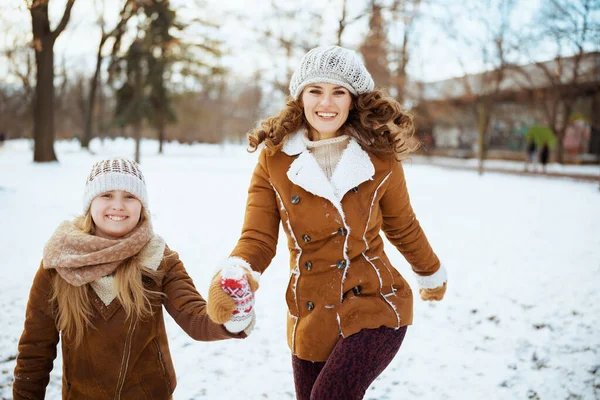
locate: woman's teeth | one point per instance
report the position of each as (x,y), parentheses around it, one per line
(326,115)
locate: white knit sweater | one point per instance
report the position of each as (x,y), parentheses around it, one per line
(327,152)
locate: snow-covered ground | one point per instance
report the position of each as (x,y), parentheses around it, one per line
(520,320)
(586,170)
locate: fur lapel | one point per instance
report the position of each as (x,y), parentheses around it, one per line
(354,168)
(306,173)
(150,257)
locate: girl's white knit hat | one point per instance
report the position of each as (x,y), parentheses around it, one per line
(331,64)
(115,174)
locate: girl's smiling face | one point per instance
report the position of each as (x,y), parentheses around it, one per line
(326,108)
(115,213)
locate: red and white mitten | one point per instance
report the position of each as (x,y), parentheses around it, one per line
(234,282)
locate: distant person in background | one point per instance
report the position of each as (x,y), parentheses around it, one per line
(544,156)
(101,288)
(531,154)
(2,138)
(329,172)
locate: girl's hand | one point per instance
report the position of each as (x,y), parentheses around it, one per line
(231,298)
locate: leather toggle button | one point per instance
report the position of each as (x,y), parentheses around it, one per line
(342,231)
(306,238)
(341,264)
(295,199)
(310,306)
(356,290)
(308,265)
(354,189)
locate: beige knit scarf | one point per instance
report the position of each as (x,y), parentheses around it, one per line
(81,258)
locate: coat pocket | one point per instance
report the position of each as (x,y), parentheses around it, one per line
(161,362)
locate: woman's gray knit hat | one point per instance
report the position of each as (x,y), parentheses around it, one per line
(115,174)
(331,64)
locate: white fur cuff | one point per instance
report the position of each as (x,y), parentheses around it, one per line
(233,267)
(433,281)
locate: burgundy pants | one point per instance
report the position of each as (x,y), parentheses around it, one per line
(352,366)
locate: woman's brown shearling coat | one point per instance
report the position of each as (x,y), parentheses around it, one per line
(341,280)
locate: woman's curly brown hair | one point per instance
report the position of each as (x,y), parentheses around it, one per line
(378,122)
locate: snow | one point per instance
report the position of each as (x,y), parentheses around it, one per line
(586,170)
(520,319)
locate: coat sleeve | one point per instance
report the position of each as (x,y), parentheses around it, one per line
(37,346)
(258,242)
(187,307)
(403,230)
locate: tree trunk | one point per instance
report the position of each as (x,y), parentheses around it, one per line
(43,104)
(137,126)
(137,134)
(89,111)
(567,106)
(43,101)
(483,115)
(160,128)
(341,23)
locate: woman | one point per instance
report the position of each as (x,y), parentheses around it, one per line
(330,173)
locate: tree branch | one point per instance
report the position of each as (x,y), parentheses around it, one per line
(65,19)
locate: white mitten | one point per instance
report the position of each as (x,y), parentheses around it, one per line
(234,281)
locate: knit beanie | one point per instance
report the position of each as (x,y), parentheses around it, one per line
(115,174)
(331,64)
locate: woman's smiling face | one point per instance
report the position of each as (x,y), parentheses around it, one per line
(326,108)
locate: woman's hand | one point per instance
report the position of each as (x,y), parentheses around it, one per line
(436,294)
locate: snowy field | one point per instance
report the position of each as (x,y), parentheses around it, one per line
(521,319)
(588,170)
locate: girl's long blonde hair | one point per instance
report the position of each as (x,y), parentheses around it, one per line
(74,310)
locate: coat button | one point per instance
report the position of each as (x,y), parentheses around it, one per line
(309,305)
(354,189)
(306,238)
(308,265)
(295,199)
(356,290)
(342,231)
(341,264)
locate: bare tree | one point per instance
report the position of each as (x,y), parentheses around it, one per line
(43,109)
(346,21)
(282,39)
(403,12)
(375,46)
(573,27)
(126,13)
(16,112)
(481,91)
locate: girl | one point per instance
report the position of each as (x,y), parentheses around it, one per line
(101,287)
(330,173)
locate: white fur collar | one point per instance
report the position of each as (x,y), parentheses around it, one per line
(150,257)
(294,144)
(354,168)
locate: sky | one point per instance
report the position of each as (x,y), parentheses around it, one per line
(434,57)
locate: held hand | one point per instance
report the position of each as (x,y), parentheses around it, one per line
(436,294)
(231,298)
(220,305)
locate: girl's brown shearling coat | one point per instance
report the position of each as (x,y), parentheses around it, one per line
(119,357)
(341,280)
